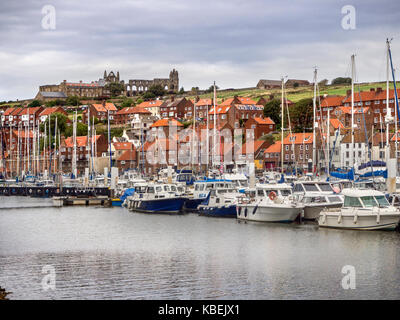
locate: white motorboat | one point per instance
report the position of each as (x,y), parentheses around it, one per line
(269,203)
(315,196)
(361,210)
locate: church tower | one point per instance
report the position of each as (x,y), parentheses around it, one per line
(173,81)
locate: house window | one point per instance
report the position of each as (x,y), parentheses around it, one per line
(287,148)
(286,156)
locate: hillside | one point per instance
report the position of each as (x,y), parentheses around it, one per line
(292,94)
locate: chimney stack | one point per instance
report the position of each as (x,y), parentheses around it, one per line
(348,92)
(379,90)
(372,89)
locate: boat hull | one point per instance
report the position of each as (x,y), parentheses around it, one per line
(361,222)
(270,213)
(191,205)
(222,212)
(166,205)
(312,212)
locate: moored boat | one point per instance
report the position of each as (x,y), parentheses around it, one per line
(361,210)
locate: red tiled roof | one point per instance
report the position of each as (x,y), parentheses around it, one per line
(256,146)
(332,101)
(128,155)
(31,110)
(166,123)
(227,102)
(245,100)
(133,110)
(123,145)
(221,109)
(81,141)
(108,106)
(203,102)
(264,120)
(274,148)
(149,104)
(51,110)
(8,111)
(372,95)
(299,138)
(396,137)
(336,124)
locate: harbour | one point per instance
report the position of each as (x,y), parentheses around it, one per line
(112,253)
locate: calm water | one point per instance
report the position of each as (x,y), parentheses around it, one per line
(111,253)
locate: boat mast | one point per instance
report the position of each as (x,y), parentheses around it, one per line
(215,128)
(314,152)
(193,132)
(88,139)
(282,113)
(328,142)
(74,148)
(352,113)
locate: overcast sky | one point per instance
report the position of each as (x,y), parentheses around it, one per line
(232,42)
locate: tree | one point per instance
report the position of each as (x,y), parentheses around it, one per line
(323,83)
(211,89)
(115,88)
(61,123)
(34,103)
(272,109)
(157,90)
(195,90)
(341,80)
(301,115)
(81,130)
(148,95)
(73,101)
(127,102)
(182,91)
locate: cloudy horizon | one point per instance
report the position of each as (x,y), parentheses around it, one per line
(235,43)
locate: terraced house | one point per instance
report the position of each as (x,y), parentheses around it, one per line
(101,111)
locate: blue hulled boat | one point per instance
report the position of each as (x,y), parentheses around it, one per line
(158,198)
(221,201)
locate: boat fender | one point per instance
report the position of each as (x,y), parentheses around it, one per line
(339,220)
(255,209)
(355,218)
(378,217)
(324,217)
(272,195)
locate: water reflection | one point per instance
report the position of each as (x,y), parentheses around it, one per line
(111,253)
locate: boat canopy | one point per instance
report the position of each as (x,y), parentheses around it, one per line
(361,193)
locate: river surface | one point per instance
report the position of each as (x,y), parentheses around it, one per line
(112,253)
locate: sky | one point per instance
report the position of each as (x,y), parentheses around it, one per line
(234,43)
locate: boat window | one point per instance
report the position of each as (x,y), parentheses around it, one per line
(197,187)
(352,202)
(201,187)
(286,192)
(210,186)
(212,193)
(382,201)
(318,199)
(244,183)
(325,187)
(173,188)
(158,189)
(298,188)
(150,190)
(311,187)
(260,193)
(221,191)
(334,199)
(369,201)
(166,188)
